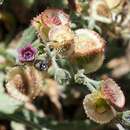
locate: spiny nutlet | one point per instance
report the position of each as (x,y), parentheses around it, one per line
(26,81)
(88,50)
(48,19)
(62,39)
(100,11)
(97,108)
(112,92)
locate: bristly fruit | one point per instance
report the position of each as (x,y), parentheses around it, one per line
(112,92)
(54,17)
(62,39)
(100,11)
(89,50)
(116,6)
(24,83)
(97,108)
(48,19)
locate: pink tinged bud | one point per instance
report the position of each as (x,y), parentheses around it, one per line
(113,93)
(27,53)
(48,19)
(54,17)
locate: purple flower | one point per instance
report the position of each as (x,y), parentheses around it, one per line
(27,53)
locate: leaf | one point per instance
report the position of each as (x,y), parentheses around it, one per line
(2,77)
(29,35)
(39,123)
(8,105)
(17,126)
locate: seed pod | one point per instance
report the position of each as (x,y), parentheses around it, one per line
(54,17)
(48,19)
(113,93)
(100,11)
(26,81)
(89,50)
(116,6)
(97,108)
(62,39)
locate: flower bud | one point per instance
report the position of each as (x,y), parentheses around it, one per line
(48,19)
(89,50)
(97,108)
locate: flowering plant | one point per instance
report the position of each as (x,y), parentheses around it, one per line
(58,55)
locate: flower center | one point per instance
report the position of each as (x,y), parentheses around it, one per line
(101,106)
(28,55)
(55,20)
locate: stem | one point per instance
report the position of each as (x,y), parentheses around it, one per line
(27,123)
(91,84)
(91,81)
(120,127)
(54,62)
(53,57)
(95,83)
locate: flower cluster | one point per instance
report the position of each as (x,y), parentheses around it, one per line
(82,47)
(48,19)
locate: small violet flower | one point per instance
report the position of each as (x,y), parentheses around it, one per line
(27,53)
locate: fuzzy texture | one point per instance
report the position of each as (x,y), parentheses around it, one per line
(88,50)
(97,108)
(100,11)
(62,39)
(24,83)
(116,6)
(88,42)
(47,19)
(54,17)
(113,93)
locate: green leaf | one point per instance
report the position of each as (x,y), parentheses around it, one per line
(29,35)
(17,126)
(8,104)
(2,77)
(34,121)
